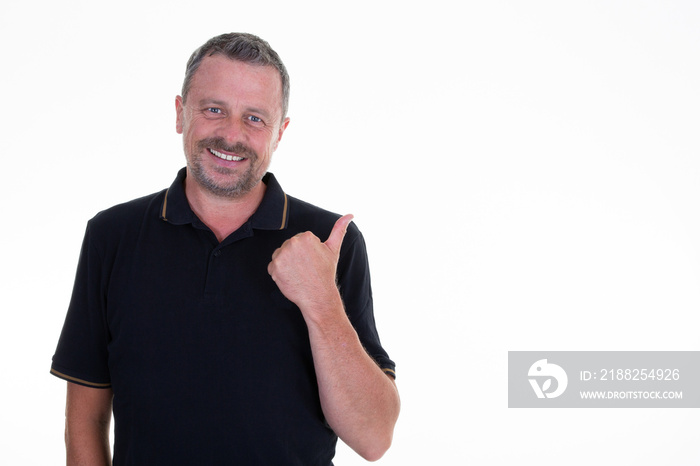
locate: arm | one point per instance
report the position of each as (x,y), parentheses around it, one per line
(88,415)
(360,402)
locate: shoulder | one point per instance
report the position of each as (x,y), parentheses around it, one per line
(304,216)
(120,218)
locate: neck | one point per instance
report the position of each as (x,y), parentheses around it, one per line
(223,215)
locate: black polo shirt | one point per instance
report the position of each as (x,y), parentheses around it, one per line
(208,361)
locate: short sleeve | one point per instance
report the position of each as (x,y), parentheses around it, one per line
(81,354)
(354,282)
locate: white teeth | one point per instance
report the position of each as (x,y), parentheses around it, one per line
(226,157)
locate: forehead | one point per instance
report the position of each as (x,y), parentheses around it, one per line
(226,79)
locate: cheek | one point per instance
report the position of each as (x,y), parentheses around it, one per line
(189,140)
(194,133)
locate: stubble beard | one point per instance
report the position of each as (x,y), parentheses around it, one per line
(240,183)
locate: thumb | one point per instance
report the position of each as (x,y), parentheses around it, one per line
(335,239)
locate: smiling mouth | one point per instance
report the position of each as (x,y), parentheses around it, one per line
(226,157)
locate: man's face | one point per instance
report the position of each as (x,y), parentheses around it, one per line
(231,124)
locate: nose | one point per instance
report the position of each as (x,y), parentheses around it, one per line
(231,129)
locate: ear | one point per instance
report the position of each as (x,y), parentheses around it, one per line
(283,127)
(179,110)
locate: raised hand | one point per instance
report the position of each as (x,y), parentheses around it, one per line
(304,268)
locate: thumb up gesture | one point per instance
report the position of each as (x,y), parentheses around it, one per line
(304,268)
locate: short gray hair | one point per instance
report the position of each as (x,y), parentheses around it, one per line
(243,47)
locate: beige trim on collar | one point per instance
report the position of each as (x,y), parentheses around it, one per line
(165,205)
(284,213)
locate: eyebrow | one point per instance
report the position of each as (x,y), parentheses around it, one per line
(220,103)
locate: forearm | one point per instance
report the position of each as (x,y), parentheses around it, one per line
(360,402)
(88,417)
(87,445)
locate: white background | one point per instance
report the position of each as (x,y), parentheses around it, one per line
(526,174)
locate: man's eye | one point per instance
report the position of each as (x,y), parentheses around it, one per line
(254,119)
(214,110)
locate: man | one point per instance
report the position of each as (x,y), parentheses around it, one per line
(211,318)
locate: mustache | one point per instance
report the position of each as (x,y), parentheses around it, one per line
(219,144)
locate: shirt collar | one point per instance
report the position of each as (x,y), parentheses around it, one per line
(272,213)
